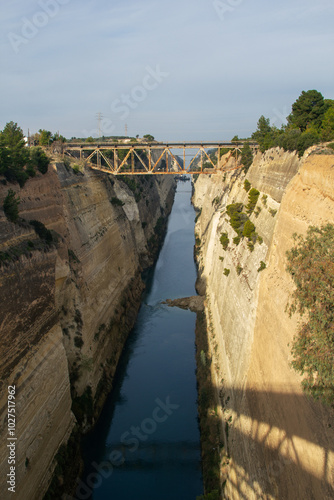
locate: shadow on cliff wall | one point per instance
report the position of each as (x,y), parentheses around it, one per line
(280,446)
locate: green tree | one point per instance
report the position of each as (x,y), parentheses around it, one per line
(253,196)
(308,109)
(249,229)
(57,137)
(263,128)
(39,160)
(12,135)
(11,206)
(327,126)
(311,265)
(149,137)
(45,137)
(13,154)
(246,156)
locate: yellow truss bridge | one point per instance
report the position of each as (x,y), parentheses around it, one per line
(158,157)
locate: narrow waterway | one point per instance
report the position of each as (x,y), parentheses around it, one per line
(146,444)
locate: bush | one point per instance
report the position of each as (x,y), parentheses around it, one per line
(116,201)
(239,269)
(249,229)
(262,266)
(226,272)
(253,196)
(44,233)
(224,240)
(11,206)
(236,240)
(311,265)
(246,156)
(78,342)
(306,140)
(247,185)
(76,169)
(237,217)
(257,211)
(39,160)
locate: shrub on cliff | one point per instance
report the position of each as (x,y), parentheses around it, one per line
(39,160)
(224,240)
(11,206)
(237,217)
(249,229)
(116,201)
(247,185)
(253,196)
(40,229)
(311,265)
(246,156)
(17,161)
(13,154)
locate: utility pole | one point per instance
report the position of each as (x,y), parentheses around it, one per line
(99,117)
(126,130)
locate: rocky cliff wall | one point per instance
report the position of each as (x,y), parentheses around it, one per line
(67,306)
(280,442)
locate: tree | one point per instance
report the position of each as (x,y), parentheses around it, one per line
(12,135)
(45,137)
(308,109)
(263,128)
(57,137)
(149,137)
(13,153)
(246,156)
(311,265)
(327,126)
(39,160)
(11,206)
(264,133)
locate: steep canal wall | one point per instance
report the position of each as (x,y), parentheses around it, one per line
(279,443)
(68,304)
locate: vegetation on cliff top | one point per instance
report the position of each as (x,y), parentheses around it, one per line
(17,161)
(310,122)
(311,265)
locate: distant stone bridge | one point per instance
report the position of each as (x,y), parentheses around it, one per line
(157,157)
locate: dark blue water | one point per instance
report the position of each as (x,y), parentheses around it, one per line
(146,445)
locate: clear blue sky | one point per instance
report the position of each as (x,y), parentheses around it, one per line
(180,70)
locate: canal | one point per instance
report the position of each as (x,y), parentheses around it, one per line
(146,444)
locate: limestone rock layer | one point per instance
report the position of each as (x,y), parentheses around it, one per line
(67,308)
(280,442)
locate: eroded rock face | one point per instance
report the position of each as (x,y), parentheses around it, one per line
(66,309)
(280,442)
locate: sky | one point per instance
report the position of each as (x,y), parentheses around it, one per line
(180,70)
